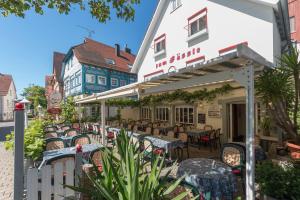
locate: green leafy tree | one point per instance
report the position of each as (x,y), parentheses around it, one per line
(100,9)
(68,110)
(36,95)
(279,88)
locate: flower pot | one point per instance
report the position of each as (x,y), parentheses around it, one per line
(295,150)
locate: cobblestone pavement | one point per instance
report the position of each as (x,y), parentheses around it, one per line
(6,173)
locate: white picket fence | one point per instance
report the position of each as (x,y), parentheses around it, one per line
(47,183)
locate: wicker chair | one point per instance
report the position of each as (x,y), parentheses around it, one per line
(148,130)
(50,129)
(234,156)
(156,132)
(171,134)
(96,158)
(51,135)
(71,132)
(54,143)
(209,139)
(80,139)
(185,139)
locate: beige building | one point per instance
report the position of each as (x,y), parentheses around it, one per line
(7,97)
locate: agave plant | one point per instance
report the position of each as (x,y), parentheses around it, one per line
(125,176)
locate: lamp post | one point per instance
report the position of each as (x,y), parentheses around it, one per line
(26,104)
(39,107)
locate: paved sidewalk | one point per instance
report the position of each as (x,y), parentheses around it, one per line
(6,173)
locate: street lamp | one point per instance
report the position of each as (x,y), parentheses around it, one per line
(39,107)
(26,106)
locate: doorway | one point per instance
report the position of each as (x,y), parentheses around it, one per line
(238,122)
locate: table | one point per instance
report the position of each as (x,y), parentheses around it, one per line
(86,150)
(212,178)
(197,133)
(165,142)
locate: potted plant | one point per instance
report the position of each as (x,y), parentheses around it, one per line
(278,181)
(294,150)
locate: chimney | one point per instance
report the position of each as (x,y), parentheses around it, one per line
(127,50)
(117,50)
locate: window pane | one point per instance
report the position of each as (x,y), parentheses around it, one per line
(193,27)
(202,23)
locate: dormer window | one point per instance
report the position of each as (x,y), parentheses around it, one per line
(160,45)
(197,24)
(110,61)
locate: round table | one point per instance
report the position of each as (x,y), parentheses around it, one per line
(212,178)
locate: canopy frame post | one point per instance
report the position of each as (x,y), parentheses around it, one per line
(103,113)
(246,78)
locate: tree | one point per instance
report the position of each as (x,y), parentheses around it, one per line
(279,88)
(68,110)
(100,9)
(36,95)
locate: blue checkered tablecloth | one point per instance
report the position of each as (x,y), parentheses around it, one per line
(165,142)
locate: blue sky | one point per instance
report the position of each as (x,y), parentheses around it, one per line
(27,44)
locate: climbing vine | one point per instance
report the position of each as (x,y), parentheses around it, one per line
(187,97)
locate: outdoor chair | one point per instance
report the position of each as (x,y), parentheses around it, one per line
(180,129)
(234,156)
(66,127)
(150,150)
(80,139)
(170,134)
(135,128)
(76,126)
(135,141)
(50,128)
(148,130)
(54,143)
(209,139)
(156,132)
(218,137)
(71,132)
(207,127)
(185,139)
(111,137)
(192,192)
(51,135)
(96,158)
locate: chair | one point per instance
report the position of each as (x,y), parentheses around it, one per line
(80,139)
(50,128)
(184,138)
(218,136)
(234,156)
(96,158)
(51,135)
(209,138)
(71,132)
(54,143)
(135,128)
(135,141)
(65,127)
(148,130)
(150,149)
(180,129)
(207,127)
(170,134)
(192,192)
(76,126)
(156,132)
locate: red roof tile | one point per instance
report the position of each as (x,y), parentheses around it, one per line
(57,65)
(5,81)
(95,53)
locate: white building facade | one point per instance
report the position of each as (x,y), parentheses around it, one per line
(7,97)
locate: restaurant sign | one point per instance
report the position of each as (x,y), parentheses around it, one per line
(179,56)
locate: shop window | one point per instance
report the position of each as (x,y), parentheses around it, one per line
(162,114)
(90,78)
(122,82)
(184,114)
(101,80)
(114,82)
(145,113)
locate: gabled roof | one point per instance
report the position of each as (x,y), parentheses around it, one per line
(5,82)
(156,19)
(57,65)
(94,53)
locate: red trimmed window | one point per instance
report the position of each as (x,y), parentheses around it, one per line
(197,22)
(160,43)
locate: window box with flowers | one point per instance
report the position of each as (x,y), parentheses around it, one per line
(197,25)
